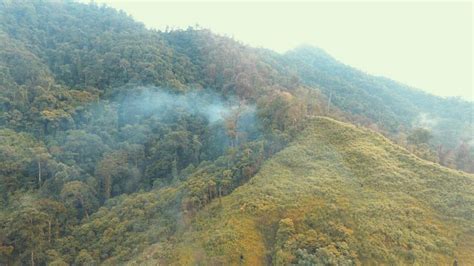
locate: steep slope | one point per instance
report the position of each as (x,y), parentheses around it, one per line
(339,194)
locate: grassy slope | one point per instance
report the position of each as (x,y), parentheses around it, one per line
(348,191)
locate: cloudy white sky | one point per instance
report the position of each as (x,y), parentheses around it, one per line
(427,45)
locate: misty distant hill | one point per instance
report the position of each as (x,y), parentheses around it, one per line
(386,102)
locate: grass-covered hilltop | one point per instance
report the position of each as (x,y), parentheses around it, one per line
(125,145)
(338,194)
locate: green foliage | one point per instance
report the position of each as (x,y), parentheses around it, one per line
(84,258)
(419,136)
(79,198)
(30,227)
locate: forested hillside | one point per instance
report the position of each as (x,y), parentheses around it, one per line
(117,140)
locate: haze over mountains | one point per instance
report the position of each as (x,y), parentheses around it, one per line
(430,48)
(120,144)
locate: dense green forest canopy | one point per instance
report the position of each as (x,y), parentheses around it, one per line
(110,133)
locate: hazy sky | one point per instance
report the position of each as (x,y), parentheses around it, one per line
(427,45)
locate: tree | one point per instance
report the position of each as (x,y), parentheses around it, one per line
(197,146)
(231,123)
(445,156)
(56,216)
(418,141)
(281,111)
(25,228)
(83,148)
(84,258)
(109,168)
(419,136)
(285,232)
(15,159)
(105,170)
(79,197)
(464,157)
(54,119)
(41,156)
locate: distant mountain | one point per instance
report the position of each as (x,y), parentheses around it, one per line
(386,102)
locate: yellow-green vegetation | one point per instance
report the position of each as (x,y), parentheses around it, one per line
(338,194)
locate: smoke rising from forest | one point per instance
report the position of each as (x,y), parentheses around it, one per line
(157,102)
(425,120)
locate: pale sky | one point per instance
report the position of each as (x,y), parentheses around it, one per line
(427,45)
